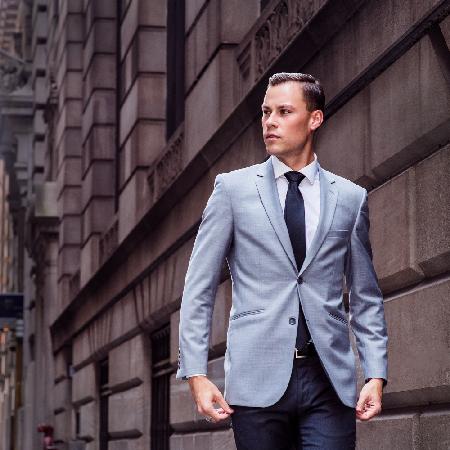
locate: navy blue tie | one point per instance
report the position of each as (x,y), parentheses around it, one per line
(294,215)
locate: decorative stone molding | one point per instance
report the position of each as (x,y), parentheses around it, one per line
(99,334)
(109,241)
(51,106)
(141,299)
(42,221)
(168,166)
(271,34)
(74,284)
(12,76)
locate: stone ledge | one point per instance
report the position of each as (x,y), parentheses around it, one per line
(418,352)
(183,410)
(218,440)
(83,385)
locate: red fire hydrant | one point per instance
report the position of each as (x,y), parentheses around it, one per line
(48,436)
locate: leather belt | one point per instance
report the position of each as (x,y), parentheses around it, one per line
(308,352)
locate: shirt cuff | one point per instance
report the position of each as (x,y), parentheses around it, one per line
(384,381)
(194,375)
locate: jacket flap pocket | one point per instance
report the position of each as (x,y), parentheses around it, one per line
(246,313)
(338,318)
(338,233)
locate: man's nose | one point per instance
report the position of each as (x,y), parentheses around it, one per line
(270,121)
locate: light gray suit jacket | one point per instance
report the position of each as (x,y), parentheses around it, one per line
(243,222)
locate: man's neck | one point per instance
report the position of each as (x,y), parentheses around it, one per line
(297,162)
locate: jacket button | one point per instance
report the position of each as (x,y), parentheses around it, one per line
(292,321)
(299,280)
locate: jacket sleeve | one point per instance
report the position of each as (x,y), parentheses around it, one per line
(367,318)
(211,246)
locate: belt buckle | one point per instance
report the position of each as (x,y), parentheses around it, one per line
(297,356)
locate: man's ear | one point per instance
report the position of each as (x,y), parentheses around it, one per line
(316,119)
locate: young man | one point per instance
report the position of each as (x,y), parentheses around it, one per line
(290,231)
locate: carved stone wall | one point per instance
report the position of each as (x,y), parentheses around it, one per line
(384,66)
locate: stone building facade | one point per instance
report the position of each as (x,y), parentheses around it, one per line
(138,105)
(15,181)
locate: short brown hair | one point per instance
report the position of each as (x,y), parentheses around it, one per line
(312,89)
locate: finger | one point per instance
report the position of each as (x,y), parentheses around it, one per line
(210,411)
(221,401)
(361,403)
(216,415)
(211,419)
(223,414)
(369,412)
(366,415)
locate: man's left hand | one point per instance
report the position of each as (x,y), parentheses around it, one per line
(369,402)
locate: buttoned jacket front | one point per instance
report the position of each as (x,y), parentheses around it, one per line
(243,224)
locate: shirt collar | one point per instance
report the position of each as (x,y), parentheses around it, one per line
(310,171)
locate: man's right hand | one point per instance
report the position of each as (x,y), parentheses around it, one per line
(205,394)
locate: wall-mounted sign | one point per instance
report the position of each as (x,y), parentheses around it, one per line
(11,306)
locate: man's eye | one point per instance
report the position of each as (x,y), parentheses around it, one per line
(285,111)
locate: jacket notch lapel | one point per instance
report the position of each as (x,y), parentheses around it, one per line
(268,193)
(328,202)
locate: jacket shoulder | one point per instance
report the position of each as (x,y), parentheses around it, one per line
(239,175)
(347,188)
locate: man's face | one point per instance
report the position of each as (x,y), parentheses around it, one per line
(284,115)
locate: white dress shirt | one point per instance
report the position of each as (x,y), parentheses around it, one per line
(310,189)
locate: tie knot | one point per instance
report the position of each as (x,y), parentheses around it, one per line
(294,177)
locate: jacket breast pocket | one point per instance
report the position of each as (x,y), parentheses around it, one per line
(338,318)
(246,313)
(338,233)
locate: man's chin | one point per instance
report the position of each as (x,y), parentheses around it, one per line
(275,151)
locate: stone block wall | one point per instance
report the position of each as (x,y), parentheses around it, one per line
(390,136)
(128,397)
(65,34)
(85,404)
(143,106)
(98,128)
(210,82)
(138,199)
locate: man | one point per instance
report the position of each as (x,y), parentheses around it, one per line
(289,231)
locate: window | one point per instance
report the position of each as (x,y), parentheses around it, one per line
(104,393)
(263,4)
(120,68)
(175,66)
(77,423)
(161,371)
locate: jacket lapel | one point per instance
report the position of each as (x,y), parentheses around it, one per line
(328,201)
(268,193)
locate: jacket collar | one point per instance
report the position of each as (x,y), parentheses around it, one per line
(268,193)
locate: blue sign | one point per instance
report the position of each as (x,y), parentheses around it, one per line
(11,306)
